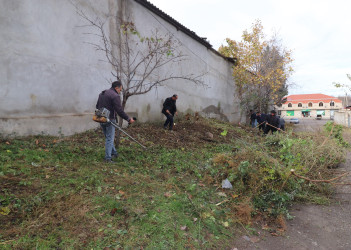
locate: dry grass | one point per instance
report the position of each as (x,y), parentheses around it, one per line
(69,212)
(243,211)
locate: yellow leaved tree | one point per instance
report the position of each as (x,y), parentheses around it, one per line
(262,68)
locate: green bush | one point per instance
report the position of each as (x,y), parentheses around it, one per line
(336,132)
(263,173)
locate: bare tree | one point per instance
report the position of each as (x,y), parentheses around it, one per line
(142,63)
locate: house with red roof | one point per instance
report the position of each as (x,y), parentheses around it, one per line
(309,105)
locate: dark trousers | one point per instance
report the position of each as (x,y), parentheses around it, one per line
(262,126)
(269,128)
(168,121)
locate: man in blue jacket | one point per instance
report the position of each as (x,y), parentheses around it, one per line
(169,110)
(111,100)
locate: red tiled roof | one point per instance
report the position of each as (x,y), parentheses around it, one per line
(314,98)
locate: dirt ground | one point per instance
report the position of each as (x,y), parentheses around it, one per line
(188,132)
(313,226)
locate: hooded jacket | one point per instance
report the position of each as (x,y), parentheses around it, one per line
(111,100)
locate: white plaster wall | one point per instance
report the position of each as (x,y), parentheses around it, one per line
(50,77)
(343,117)
(219,91)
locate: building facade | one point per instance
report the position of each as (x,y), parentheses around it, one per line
(309,105)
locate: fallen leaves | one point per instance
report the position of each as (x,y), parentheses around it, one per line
(5,210)
(167,194)
(113,211)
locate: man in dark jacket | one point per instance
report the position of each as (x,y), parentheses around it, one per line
(111,100)
(261,118)
(272,123)
(281,123)
(169,110)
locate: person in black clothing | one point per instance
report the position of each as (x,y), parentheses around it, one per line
(281,123)
(272,123)
(261,118)
(252,118)
(169,110)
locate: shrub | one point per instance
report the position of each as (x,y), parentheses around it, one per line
(263,173)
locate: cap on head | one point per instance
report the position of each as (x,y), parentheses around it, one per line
(273,112)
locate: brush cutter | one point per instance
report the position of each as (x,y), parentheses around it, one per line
(102,116)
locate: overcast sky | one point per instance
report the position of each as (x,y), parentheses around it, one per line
(317,31)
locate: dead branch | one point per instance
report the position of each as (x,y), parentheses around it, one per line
(331,131)
(275,127)
(292,172)
(220,203)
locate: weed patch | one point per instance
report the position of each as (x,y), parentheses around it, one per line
(57,192)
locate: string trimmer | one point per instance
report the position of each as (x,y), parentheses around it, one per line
(102,116)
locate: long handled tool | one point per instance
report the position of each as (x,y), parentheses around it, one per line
(102,116)
(118,127)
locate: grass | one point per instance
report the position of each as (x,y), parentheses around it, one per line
(61,194)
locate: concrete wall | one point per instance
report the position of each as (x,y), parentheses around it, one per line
(343,117)
(50,77)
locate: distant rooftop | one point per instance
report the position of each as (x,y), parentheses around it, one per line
(314,98)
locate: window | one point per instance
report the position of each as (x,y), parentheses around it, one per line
(299,105)
(289,105)
(321,104)
(310,104)
(332,104)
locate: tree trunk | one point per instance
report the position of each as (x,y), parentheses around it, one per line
(120,123)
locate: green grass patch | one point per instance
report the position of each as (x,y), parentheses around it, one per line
(61,194)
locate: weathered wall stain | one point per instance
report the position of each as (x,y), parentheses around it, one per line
(34,100)
(214,112)
(148,108)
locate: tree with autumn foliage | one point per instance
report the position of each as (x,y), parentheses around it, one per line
(262,68)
